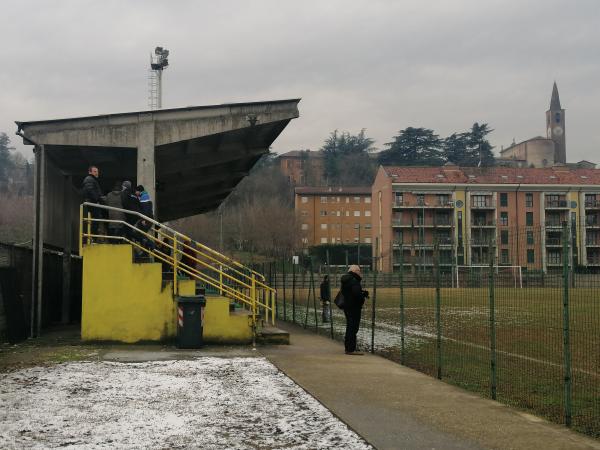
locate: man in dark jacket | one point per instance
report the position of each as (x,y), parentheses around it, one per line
(131,203)
(325,299)
(354,298)
(93,194)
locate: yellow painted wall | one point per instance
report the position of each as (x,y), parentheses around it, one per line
(221,326)
(125,302)
(122,301)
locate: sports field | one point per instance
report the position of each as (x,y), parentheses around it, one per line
(529,341)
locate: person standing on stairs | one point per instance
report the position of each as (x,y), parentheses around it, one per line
(147,209)
(131,203)
(114,199)
(354,299)
(92,193)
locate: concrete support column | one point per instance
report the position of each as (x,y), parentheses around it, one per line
(145,156)
(38,241)
(68,247)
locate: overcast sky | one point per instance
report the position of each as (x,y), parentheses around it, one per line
(379,65)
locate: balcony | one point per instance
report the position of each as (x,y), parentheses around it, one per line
(483,223)
(423,204)
(479,204)
(592,221)
(429,222)
(557,204)
(482,242)
(553,242)
(593,261)
(592,242)
(592,204)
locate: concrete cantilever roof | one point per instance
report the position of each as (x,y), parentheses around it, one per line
(193,156)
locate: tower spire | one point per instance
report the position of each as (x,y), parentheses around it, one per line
(555,101)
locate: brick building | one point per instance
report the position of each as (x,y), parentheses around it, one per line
(328,215)
(517,213)
(303,167)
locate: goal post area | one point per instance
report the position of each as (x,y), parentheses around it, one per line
(477,275)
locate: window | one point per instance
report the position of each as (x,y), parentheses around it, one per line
(504,218)
(443,199)
(347,213)
(367,226)
(323,213)
(323,199)
(367,199)
(356,199)
(529,200)
(347,199)
(479,201)
(304,199)
(304,213)
(367,213)
(503,199)
(557,117)
(333,240)
(339,213)
(420,199)
(530,238)
(529,219)
(338,199)
(323,226)
(504,237)
(554,257)
(323,240)
(304,226)
(356,240)
(367,240)
(530,256)
(356,213)
(399,198)
(504,256)
(305,240)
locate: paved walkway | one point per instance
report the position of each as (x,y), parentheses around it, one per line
(394,407)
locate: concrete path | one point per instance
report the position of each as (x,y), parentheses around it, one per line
(394,407)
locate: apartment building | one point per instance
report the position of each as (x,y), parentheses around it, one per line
(328,215)
(518,214)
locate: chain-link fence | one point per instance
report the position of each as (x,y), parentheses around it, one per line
(520,324)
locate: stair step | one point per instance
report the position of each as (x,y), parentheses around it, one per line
(273,335)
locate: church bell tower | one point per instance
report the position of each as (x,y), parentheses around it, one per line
(555,126)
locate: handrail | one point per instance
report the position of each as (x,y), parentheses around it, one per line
(161,225)
(224,267)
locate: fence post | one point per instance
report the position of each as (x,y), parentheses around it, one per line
(492,306)
(284,283)
(402,344)
(314,294)
(329,293)
(566,325)
(438,307)
(293,292)
(373,304)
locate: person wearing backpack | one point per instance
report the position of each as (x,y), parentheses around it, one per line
(354,299)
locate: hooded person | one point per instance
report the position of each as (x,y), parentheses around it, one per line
(147,209)
(114,200)
(131,203)
(354,299)
(92,193)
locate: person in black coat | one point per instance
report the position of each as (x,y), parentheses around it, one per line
(326,299)
(92,193)
(131,203)
(354,299)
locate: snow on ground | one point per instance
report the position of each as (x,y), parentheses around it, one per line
(208,403)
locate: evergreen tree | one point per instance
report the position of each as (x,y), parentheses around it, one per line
(6,162)
(414,147)
(470,149)
(347,160)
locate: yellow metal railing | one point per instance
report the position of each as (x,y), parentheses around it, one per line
(186,256)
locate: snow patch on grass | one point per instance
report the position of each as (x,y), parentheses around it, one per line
(209,403)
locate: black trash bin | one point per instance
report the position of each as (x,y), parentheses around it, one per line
(190,321)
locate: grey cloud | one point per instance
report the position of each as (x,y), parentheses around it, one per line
(383,65)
